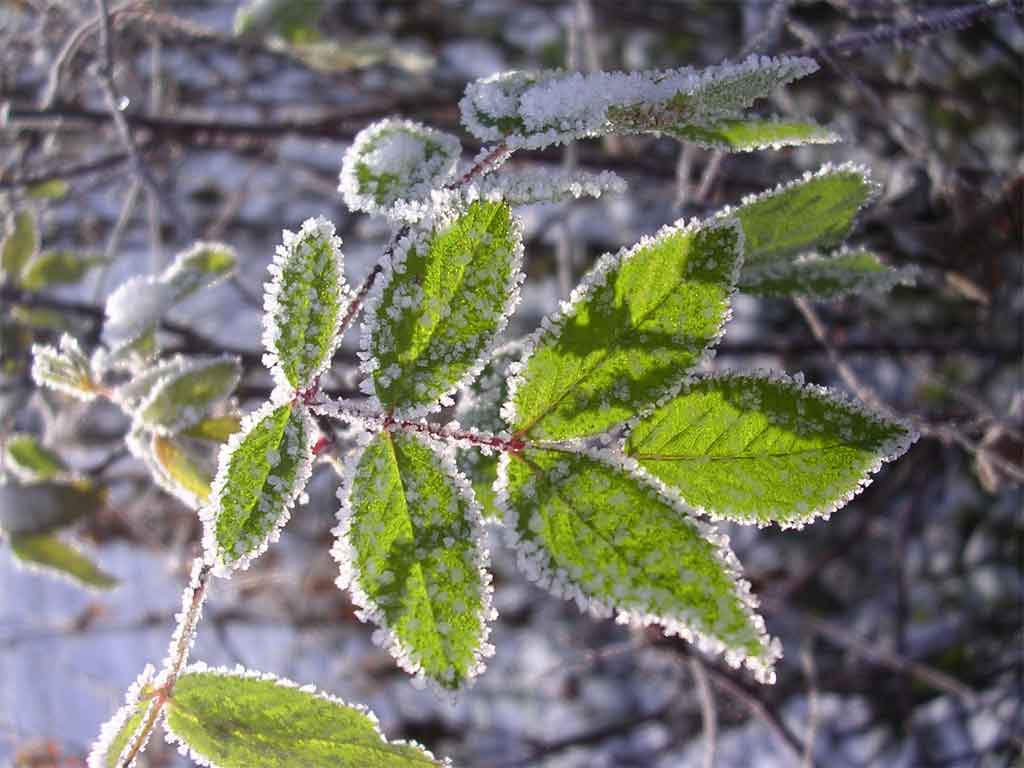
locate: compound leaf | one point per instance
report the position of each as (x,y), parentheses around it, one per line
(839,274)
(410,549)
(42,507)
(447,296)
(757,449)
(261,472)
(215,429)
(181,397)
(303,304)
(198,267)
(640,320)
(118,731)
(183,468)
(242,719)
(51,555)
(592,532)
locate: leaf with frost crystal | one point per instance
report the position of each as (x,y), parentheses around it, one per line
(41,507)
(446,297)
(745,135)
(216,429)
(182,397)
(641,320)
(66,370)
(394,160)
(816,212)
(117,732)
(57,268)
(243,719)
(54,189)
(198,267)
(410,548)
(524,187)
(184,467)
(261,472)
(593,532)
(19,245)
(839,274)
(303,304)
(31,461)
(51,555)
(757,449)
(532,110)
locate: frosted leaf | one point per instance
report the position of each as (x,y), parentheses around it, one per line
(30,461)
(749,134)
(261,471)
(303,304)
(181,397)
(66,370)
(640,320)
(836,275)
(46,553)
(764,448)
(589,529)
(534,110)
(394,160)
(228,717)
(183,468)
(116,734)
(411,549)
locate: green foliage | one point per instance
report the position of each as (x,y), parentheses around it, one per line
(19,245)
(42,507)
(640,321)
(244,719)
(48,553)
(54,189)
(447,298)
(181,398)
(763,449)
(416,559)
(751,134)
(605,538)
(304,303)
(30,460)
(57,268)
(825,277)
(182,466)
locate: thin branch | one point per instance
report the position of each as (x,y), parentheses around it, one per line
(708,712)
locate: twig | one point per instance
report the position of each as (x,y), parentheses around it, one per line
(708,713)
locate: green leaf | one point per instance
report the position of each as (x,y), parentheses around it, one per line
(758,449)
(745,135)
(245,719)
(262,470)
(132,393)
(216,429)
(446,297)
(19,245)
(839,274)
(54,189)
(304,303)
(31,461)
(533,110)
(42,507)
(66,370)
(183,467)
(394,160)
(287,19)
(57,268)
(198,267)
(592,532)
(640,321)
(43,319)
(816,212)
(183,397)
(410,548)
(119,729)
(52,555)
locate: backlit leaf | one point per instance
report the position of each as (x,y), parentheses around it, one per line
(66,370)
(41,507)
(214,428)
(51,555)
(183,397)
(30,460)
(839,274)
(745,135)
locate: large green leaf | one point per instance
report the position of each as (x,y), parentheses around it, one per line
(748,134)
(825,277)
(592,532)
(759,449)
(815,212)
(66,370)
(394,160)
(242,719)
(640,321)
(118,731)
(42,507)
(19,245)
(262,470)
(303,304)
(182,397)
(51,555)
(57,268)
(410,548)
(31,461)
(447,296)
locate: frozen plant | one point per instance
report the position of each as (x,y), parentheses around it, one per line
(596,444)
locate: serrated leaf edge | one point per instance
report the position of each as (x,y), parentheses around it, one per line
(370,612)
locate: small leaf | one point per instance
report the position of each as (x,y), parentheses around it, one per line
(283,18)
(839,274)
(525,187)
(52,555)
(54,189)
(745,135)
(641,319)
(592,532)
(19,245)
(183,467)
(243,719)
(216,429)
(446,297)
(46,506)
(816,212)
(304,303)
(198,267)
(183,397)
(117,732)
(763,450)
(410,548)
(57,268)
(67,370)
(31,461)
(261,472)
(394,160)
(43,319)
(131,394)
